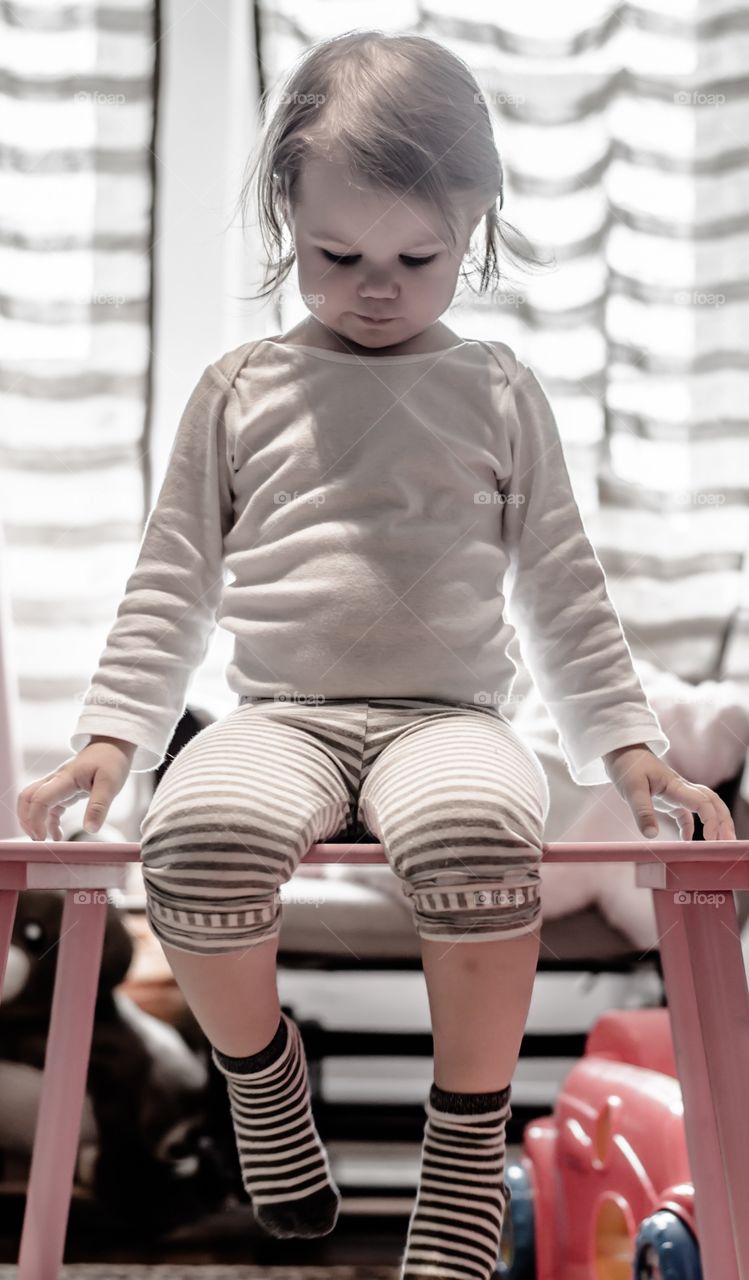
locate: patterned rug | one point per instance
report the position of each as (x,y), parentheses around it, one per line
(115,1271)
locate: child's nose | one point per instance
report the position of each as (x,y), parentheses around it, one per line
(378,286)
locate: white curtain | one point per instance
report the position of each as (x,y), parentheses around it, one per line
(79,87)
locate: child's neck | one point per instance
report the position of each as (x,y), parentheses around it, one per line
(310,332)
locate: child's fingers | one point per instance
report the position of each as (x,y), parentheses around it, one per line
(713,812)
(641,804)
(36,801)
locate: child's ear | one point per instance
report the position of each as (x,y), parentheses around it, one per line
(282,201)
(474,222)
(482,213)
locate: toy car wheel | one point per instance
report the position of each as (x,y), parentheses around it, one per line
(665,1249)
(517,1247)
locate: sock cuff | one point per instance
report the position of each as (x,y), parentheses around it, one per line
(463,1104)
(257,1061)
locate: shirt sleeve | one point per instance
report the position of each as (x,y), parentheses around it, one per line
(570,634)
(168,613)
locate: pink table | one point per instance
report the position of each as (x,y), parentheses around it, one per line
(703,968)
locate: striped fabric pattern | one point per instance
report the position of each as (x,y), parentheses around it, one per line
(456,1224)
(457,798)
(285,1167)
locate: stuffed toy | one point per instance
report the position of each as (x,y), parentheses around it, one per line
(147,1150)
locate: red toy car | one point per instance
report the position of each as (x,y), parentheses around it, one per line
(603,1190)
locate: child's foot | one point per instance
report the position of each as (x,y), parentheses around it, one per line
(456,1223)
(284,1164)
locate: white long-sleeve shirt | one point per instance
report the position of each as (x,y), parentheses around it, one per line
(355,523)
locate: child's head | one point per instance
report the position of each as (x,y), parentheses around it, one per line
(380,151)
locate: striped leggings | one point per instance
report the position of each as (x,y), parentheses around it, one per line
(456,798)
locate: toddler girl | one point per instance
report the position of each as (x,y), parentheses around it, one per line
(371,480)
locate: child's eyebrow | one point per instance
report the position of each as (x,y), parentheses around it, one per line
(327,235)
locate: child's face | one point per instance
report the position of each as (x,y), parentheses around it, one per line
(383,236)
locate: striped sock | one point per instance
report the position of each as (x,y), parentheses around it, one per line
(456,1223)
(284,1164)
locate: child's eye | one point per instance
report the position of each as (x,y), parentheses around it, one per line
(340,262)
(346,262)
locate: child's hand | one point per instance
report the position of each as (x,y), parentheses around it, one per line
(100,768)
(640,776)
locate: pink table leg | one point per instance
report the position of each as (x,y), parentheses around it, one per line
(63,1087)
(8,907)
(708,1004)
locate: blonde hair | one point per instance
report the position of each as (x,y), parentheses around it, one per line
(405,114)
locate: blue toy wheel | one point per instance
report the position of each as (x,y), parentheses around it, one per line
(665,1249)
(517,1247)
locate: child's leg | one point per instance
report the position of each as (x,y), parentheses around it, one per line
(234,996)
(259,1050)
(479,994)
(459,804)
(228,825)
(479,997)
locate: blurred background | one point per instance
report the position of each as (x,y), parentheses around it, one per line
(124,133)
